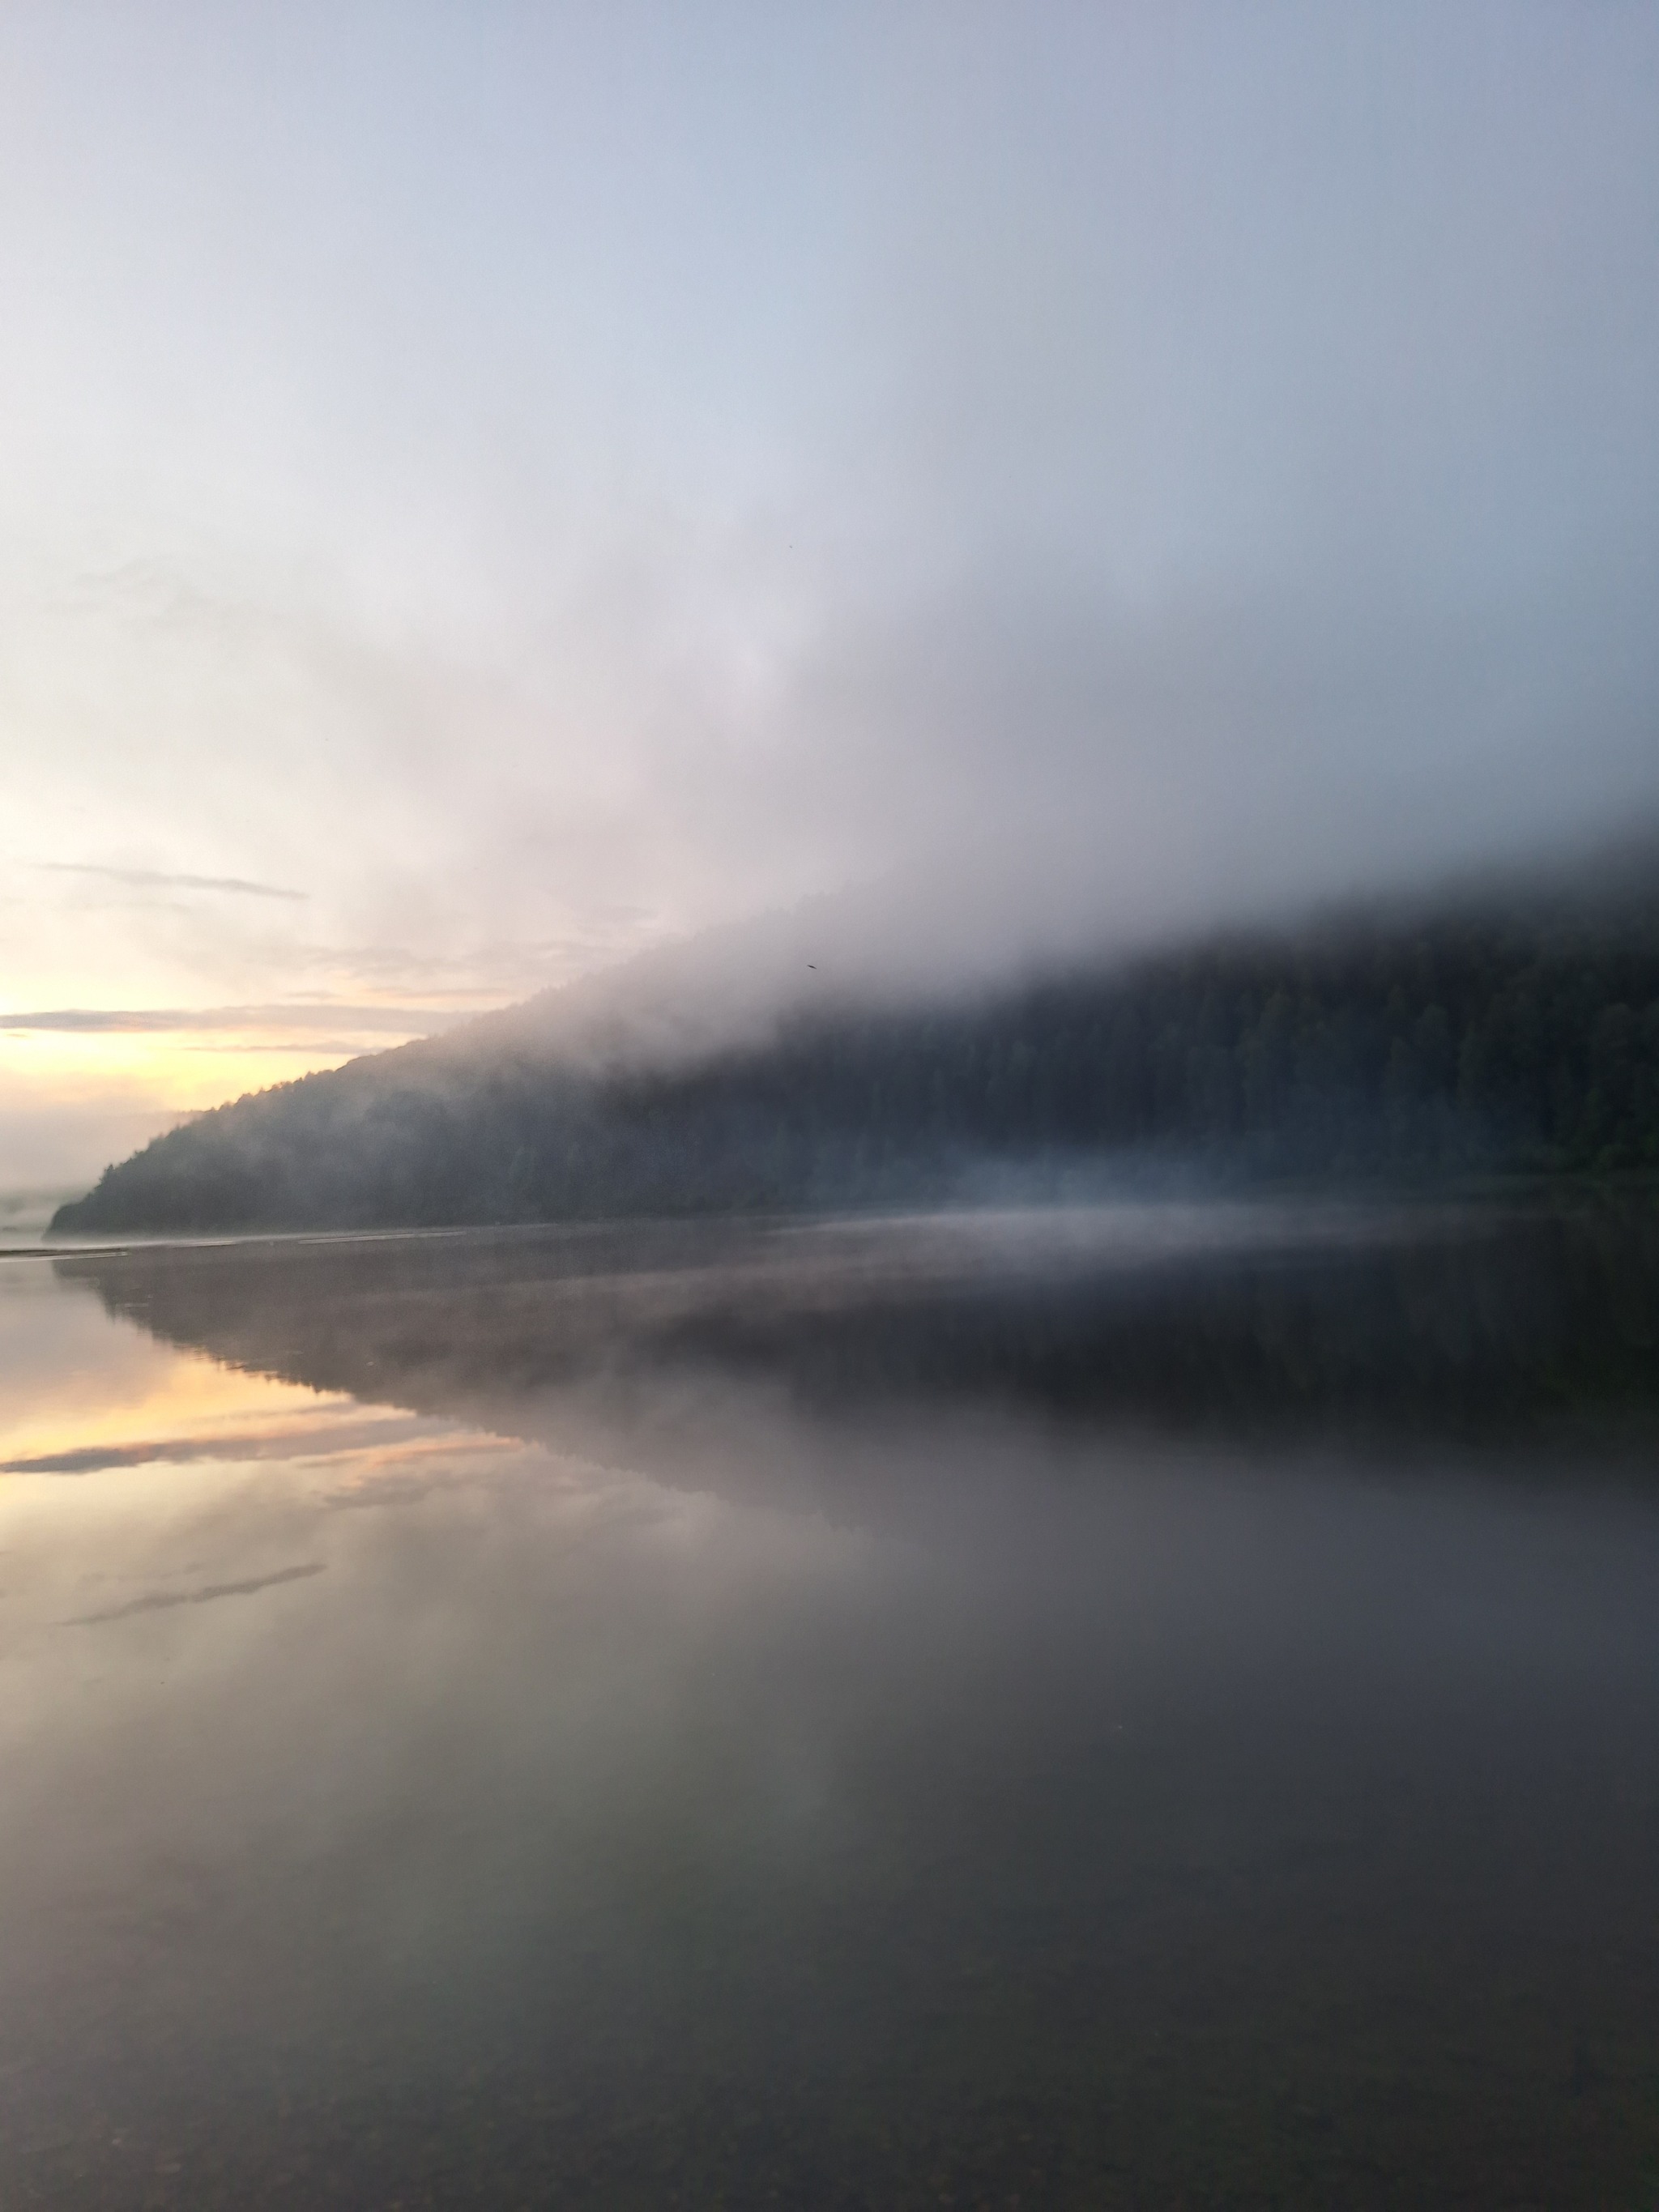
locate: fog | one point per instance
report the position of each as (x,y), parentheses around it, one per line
(485,499)
(629,522)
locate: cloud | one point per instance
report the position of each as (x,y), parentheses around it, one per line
(326,1017)
(161,880)
(164,1600)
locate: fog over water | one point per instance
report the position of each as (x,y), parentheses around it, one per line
(664,528)
(1089,1707)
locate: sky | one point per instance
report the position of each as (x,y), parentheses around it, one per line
(486,492)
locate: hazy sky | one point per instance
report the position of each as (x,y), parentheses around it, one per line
(486,489)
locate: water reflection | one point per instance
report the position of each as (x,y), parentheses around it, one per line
(833,1717)
(1523,1329)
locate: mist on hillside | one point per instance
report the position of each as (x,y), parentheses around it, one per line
(871,504)
(845,821)
(1509,1025)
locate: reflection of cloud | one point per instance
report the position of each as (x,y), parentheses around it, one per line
(166,879)
(324,1441)
(400,1473)
(392,1490)
(161,1601)
(93,1459)
(146,1412)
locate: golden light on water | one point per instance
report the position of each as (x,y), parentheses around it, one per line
(147,1410)
(151,1398)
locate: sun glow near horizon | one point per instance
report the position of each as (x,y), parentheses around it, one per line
(78,1099)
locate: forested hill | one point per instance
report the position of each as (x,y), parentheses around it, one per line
(1410,1047)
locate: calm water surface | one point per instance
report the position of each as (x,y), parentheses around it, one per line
(1139,1707)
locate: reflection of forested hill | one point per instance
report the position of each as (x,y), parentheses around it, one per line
(1270,1321)
(1377,1049)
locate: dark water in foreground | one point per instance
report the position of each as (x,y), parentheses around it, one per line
(1143,1707)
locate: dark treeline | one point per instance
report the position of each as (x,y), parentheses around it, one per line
(1404,1050)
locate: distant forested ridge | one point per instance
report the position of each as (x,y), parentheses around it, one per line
(1405,1047)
